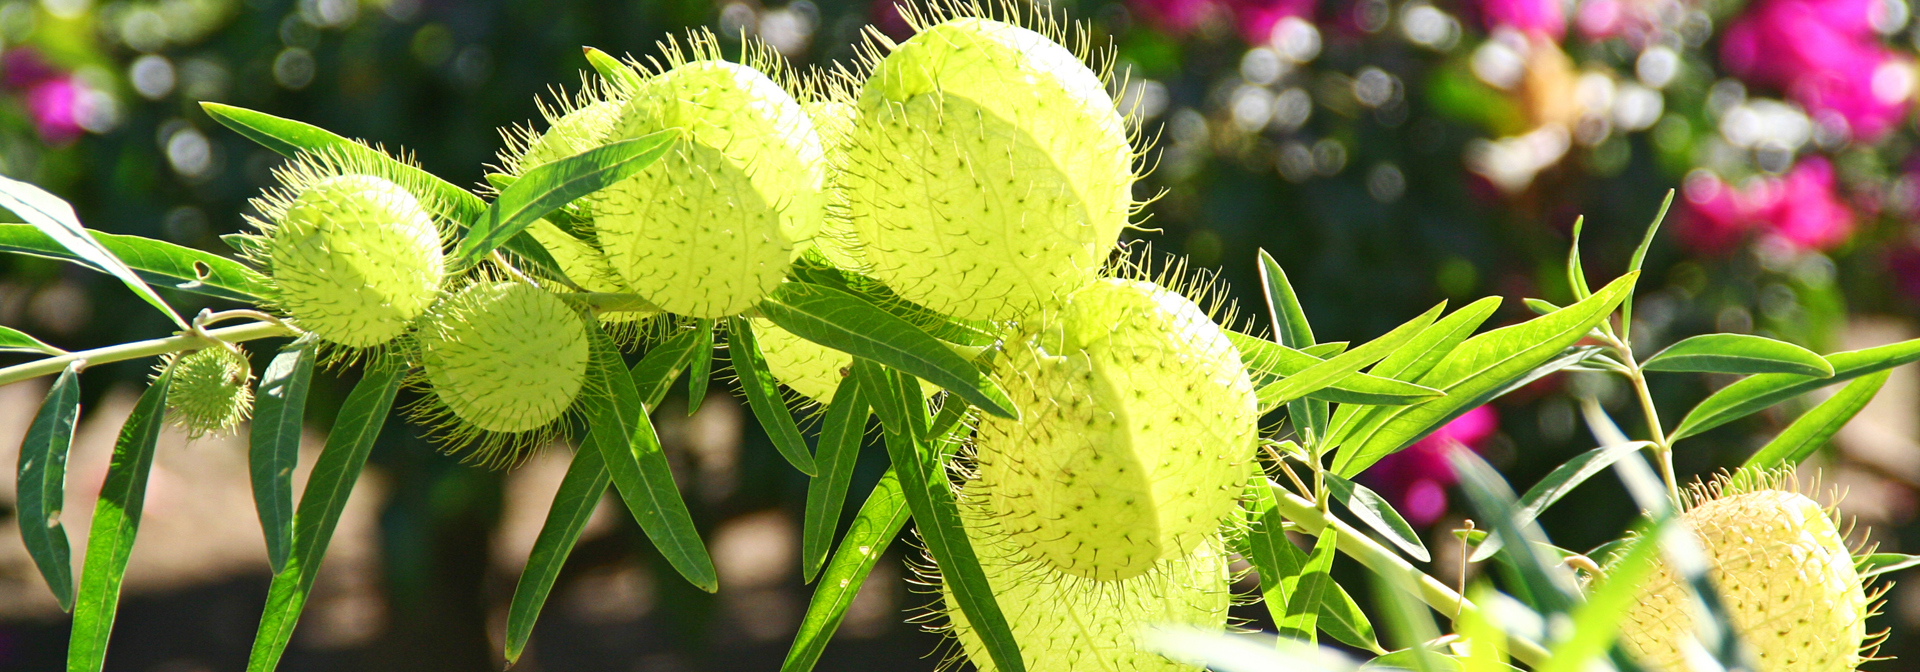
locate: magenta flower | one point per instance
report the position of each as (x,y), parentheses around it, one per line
(1415,480)
(54,106)
(1825,55)
(1538,17)
(1809,213)
(1257,18)
(1803,208)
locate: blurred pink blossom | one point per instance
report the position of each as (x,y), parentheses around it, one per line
(55,108)
(1257,18)
(1415,480)
(1803,207)
(1538,17)
(1825,55)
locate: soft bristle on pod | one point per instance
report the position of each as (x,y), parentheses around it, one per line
(211,391)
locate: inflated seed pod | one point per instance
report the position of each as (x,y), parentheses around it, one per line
(504,360)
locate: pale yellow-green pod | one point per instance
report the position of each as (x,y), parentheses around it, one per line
(354,259)
(504,357)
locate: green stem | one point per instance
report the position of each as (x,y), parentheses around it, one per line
(138,349)
(1377,558)
(1662,446)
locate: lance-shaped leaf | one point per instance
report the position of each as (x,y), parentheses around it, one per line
(610,67)
(12,340)
(1349,363)
(1279,563)
(334,474)
(923,481)
(840,435)
(1815,427)
(1738,354)
(1414,360)
(814,269)
(274,443)
(551,186)
(1481,368)
(580,491)
(159,263)
(1640,257)
(1563,480)
(42,480)
(55,218)
(873,529)
(1545,585)
(1292,330)
(1374,510)
(620,429)
(763,395)
(839,320)
(702,365)
(1268,363)
(1757,392)
(1883,563)
(1303,606)
(116,519)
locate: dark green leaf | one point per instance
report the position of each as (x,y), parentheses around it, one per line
(1760,391)
(816,270)
(1883,563)
(1345,365)
(161,263)
(1481,368)
(1290,326)
(702,366)
(55,218)
(763,395)
(1268,362)
(274,443)
(653,377)
(873,529)
(840,437)
(334,474)
(1740,354)
(1414,659)
(838,320)
(1303,606)
(116,520)
(1563,480)
(1374,510)
(923,481)
(43,483)
(619,428)
(610,67)
(1812,429)
(1640,257)
(551,186)
(12,340)
(580,491)
(1418,357)
(1545,585)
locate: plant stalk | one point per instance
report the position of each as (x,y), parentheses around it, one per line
(138,349)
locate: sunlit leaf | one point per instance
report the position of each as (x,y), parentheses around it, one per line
(55,218)
(1414,360)
(12,340)
(1279,563)
(551,186)
(1557,484)
(1738,354)
(580,491)
(702,372)
(1815,427)
(1640,257)
(1372,509)
(610,67)
(1346,364)
(1303,606)
(1757,392)
(763,395)
(840,437)
(160,263)
(873,529)
(1268,363)
(1883,563)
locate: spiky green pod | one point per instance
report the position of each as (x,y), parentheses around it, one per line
(1136,422)
(354,258)
(1067,623)
(504,358)
(711,228)
(1785,576)
(989,172)
(836,241)
(580,129)
(210,390)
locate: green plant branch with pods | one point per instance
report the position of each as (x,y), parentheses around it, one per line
(1074,433)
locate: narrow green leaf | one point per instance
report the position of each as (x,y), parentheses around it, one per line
(1577,274)
(1415,659)
(361,417)
(1374,510)
(1597,621)
(873,529)
(1327,372)
(839,320)
(1757,392)
(580,491)
(274,443)
(923,481)
(1640,257)
(610,67)
(1481,368)
(1545,585)
(763,395)
(1268,363)
(814,269)
(160,263)
(653,377)
(1540,306)
(1883,563)
(13,340)
(1563,480)
(1325,350)
(840,436)
(1303,612)
(702,366)
(55,218)
(1278,564)
(1815,427)
(1290,325)
(1413,361)
(116,519)
(1740,354)
(551,186)
(620,429)
(43,483)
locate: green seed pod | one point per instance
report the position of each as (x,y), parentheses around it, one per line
(210,390)
(580,129)
(1785,577)
(354,258)
(989,172)
(711,228)
(1066,623)
(1136,422)
(836,241)
(503,358)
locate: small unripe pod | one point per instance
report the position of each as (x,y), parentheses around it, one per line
(210,391)
(1136,422)
(505,357)
(354,259)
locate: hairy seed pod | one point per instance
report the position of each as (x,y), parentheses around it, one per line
(1785,576)
(989,172)
(355,259)
(504,357)
(576,131)
(1066,623)
(836,240)
(1136,422)
(711,228)
(210,390)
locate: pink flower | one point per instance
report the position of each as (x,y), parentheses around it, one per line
(1825,55)
(22,68)
(1257,18)
(1809,213)
(1415,480)
(1539,17)
(1803,208)
(55,108)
